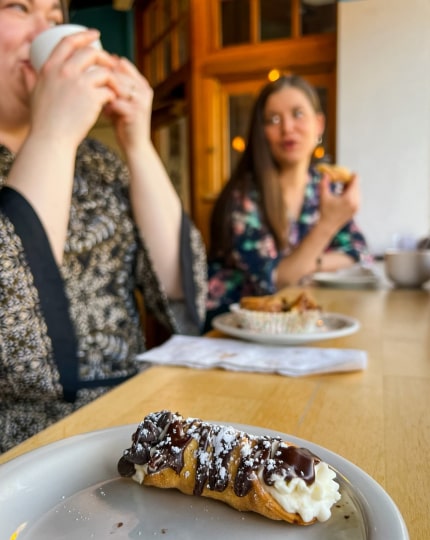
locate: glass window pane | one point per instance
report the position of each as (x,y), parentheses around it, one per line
(167,56)
(275,19)
(318,16)
(183,5)
(183,52)
(152,22)
(240,106)
(166,15)
(235,22)
(154,66)
(173,150)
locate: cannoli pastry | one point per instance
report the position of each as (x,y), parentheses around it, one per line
(261,474)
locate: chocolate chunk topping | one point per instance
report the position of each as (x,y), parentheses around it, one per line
(290,462)
(251,461)
(160,441)
(126,468)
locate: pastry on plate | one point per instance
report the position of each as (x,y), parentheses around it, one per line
(278,314)
(261,474)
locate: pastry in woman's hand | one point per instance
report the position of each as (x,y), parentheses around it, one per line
(261,474)
(336,173)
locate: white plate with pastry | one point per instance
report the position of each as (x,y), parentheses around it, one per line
(333,325)
(71,490)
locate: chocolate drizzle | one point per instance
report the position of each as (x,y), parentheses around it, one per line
(252,459)
(216,444)
(160,441)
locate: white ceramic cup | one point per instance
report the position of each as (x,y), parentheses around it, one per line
(44,43)
(407,268)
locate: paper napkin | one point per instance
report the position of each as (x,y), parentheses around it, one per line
(236,355)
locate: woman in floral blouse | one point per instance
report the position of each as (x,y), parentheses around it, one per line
(278,220)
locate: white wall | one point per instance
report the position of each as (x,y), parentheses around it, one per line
(383,116)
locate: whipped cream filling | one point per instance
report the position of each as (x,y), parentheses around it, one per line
(141,472)
(309,501)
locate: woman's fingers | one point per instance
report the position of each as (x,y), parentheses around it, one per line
(338,209)
(133,84)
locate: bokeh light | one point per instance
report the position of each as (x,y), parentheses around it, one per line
(273,75)
(238,144)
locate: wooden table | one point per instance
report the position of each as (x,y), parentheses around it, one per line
(377,419)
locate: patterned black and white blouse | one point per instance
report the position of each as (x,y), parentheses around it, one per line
(69,333)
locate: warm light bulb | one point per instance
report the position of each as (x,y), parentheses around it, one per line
(273,75)
(238,144)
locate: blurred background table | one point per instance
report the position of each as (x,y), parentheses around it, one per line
(377,419)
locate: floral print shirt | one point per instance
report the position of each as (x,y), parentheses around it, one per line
(248,270)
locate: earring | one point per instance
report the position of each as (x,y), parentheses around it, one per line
(319,151)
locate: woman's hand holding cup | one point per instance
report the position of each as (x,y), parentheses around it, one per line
(44,43)
(75,80)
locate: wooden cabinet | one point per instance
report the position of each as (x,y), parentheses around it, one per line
(206,60)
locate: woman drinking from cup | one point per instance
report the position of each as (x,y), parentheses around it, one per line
(80,230)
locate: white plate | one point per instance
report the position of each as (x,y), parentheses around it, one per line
(349,278)
(335,325)
(71,490)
